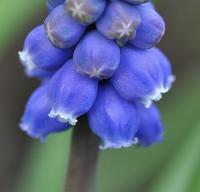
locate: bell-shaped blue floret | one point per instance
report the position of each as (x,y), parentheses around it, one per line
(35,121)
(52,4)
(168,77)
(71,94)
(139,76)
(119,21)
(113,119)
(151,29)
(151,129)
(85,11)
(39,53)
(97,56)
(62,30)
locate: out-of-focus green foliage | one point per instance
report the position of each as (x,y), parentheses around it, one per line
(14,15)
(172,166)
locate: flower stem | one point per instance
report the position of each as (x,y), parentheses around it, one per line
(83,159)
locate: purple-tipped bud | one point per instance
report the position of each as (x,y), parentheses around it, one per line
(39,53)
(119,21)
(139,76)
(85,11)
(71,94)
(62,30)
(96,56)
(113,119)
(35,121)
(52,4)
(151,129)
(151,29)
(136,2)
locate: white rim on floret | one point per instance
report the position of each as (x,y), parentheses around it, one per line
(63,117)
(27,61)
(119,145)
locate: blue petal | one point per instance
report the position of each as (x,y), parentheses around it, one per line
(119,21)
(151,128)
(136,2)
(113,119)
(85,11)
(138,76)
(35,121)
(38,52)
(168,77)
(62,30)
(97,56)
(51,4)
(71,94)
(151,29)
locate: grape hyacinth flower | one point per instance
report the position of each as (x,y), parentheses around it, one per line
(39,56)
(97,59)
(62,30)
(35,121)
(85,11)
(91,57)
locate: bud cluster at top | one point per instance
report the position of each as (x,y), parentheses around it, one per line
(98,58)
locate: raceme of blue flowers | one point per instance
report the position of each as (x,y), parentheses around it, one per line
(98,58)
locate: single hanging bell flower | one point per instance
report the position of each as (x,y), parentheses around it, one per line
(152,27)
(62,30)
(52,4)
(113,119)
(35,121)
(139,76)
(71,94)
(96,56)
(39,53)
(151,129)
(119,21)
(85,11)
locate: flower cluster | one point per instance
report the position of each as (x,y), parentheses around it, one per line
(97,58)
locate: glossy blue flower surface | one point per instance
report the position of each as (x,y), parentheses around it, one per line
(85,11)
(39,53)
(35,121)
(97,58)
(113,119)
(62,30)
(72,94)
(151,129)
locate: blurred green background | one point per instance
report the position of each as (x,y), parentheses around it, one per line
(173,166)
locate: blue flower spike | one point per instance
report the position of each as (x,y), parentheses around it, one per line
(52,4)
(85,11)
(97,56)
(71,94)
(113,119)
(35,121)
(139,76)
(119,21)
(151,129)
(40,55)
(151,30)
(62,30)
